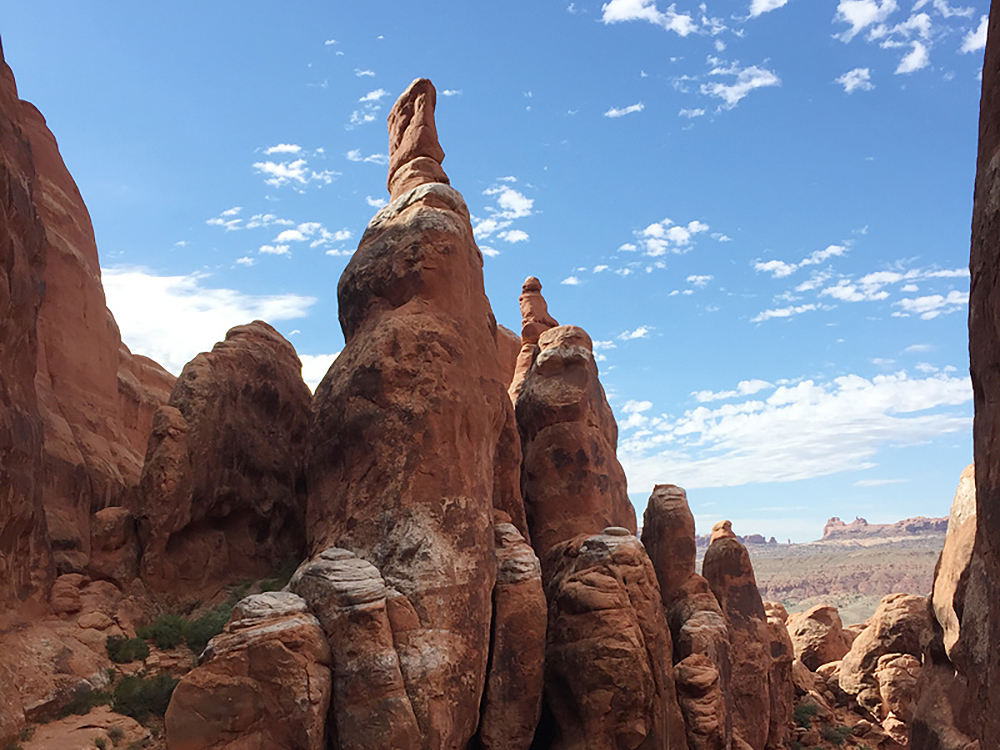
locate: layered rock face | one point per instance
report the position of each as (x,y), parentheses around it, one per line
(264,682)
(407,426)
(535,320)
(96,401)
(979,662)
(728,571)
(571,480)
(24,552)
(698,627)
(222,494)
(609,678)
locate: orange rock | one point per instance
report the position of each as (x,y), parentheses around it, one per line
(818,636)
(697,624)
(780,686)
(370,706)
(729,572)
(405,438)
(722,530)
(952,569)
(222,495)
(82,732)
(609,682)
(512,702)
(263,682)
(900,625)
(25,556)
(702,702)
(509,344)
(571,480)
(535,319)
(415,155)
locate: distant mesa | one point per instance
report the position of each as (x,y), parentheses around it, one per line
(859,528)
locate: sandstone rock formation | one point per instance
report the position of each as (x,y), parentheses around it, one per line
(222,495)
(780,687)
(901,625)
(818,636)
(93,397)
(571,480)
(509,344)
(698,627)
(535,320)
(406,431)
(264,682)
(859,528)
(728,571)
(25,559)
(512,701)
(950,577)
(609,682)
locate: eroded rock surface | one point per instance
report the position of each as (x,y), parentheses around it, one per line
(571,480)
(535,320)
(404,441)
(222,496)
(609,682)
(264,682)
(818,636)
(729,572)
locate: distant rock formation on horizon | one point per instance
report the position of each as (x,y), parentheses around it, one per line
(859,528)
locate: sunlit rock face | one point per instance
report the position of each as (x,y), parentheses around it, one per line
(222,494)
(412,441)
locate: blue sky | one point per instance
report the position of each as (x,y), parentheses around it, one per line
(760,210)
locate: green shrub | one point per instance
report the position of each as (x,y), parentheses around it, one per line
(101,743)
(13,745)
(138,696)
(199,632)
(116,733)
(83,702)
(835,735)
(803,714)
(122,650)
(167,631)
(27,733)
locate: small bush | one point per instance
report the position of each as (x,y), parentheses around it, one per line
(138,744)
(27,733)
(835,735)
(122,650)
(138,696)
(199,632)
(167,631)
(803,714)
(83,702)
(101,743)
(116,733)
(13,745)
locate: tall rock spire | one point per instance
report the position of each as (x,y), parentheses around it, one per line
(415,155)
(535,320)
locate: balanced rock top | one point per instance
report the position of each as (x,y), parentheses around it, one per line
(415,155)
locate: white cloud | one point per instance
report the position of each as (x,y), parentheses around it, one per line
(356,155)
(918,348)
(600,268)
(275,250)
(172,318)
(328,42)
(571,281)
(757,7)
(295,173)
(800,431)
(861,14)
(364,73)
(376,202)
(879,482)
(916,58)
(489,251)
(747,79)
(367,113)
(975,39)
(315,366)
(665,236)
(290,235)
(691,113)
(514,235)
(635,407)
(743,388)
(933,305)
(855,80)
(283,148)
(618,11)
(642,332)
(267,220)
(699,281)
(246,260)
(777,268)
(451,92)
(782,312)
(615,112)
(374,96)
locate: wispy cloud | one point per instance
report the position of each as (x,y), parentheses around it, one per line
(615,112)
(758,7)
(803,430)
(356,155)
(364,73)
(511,205)
(642,332)
(618,11)
(744,80)
(297,174)
(374,96)
(975,39)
